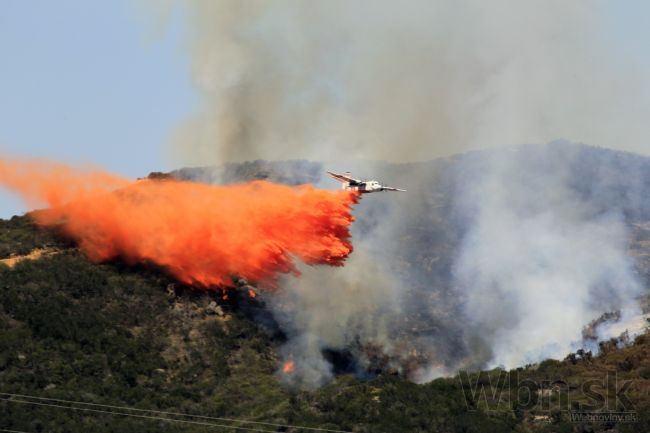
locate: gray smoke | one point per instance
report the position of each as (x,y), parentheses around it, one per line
(496,257)
(337,310)
(400,81)
(491,258)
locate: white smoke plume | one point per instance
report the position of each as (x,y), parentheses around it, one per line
(540,260)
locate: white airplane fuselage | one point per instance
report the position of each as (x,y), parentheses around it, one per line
(349,183)
(363,187)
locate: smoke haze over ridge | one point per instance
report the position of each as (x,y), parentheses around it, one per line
(379,80)
(466,269)
(497,257)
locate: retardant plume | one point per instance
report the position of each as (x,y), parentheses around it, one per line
(203,235)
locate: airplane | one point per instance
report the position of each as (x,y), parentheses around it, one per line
(363,186)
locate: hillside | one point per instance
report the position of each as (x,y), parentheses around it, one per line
(131,337)
(432,251)
(73,330)
(107,334)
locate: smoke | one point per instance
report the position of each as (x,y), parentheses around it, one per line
(480,263)
(203,235)
(403,82)
(497,262)
(351,309)
(497,257)
(489,259)
(540,260)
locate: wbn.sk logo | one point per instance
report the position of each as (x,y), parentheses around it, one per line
(601,399)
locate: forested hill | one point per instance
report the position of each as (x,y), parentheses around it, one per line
(107,334)
(108,347)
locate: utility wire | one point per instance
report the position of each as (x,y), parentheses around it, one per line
(87,409)
(172,413)
(168,413)
(12,431)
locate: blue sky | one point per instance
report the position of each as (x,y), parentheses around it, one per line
(85,82)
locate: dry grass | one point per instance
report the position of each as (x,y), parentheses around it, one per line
(32,255)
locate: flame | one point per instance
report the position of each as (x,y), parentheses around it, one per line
(288,367)
(252,294)
(203,235)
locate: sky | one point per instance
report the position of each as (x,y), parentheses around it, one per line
(104,82)
(90,82)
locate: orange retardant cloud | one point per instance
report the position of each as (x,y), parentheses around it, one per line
(203,235)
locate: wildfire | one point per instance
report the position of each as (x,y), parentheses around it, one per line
(202,234)
(288,367)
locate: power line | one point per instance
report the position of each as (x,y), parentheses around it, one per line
(87,409)
(168,413)
(173,413)
(12,431)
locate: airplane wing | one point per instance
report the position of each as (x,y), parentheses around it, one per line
(343,178)
(390,188)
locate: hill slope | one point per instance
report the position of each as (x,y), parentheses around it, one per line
(131,337)
(73,330)
(107,334)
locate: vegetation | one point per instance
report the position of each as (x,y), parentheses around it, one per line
(19,236)
(73,330)
(110,334)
